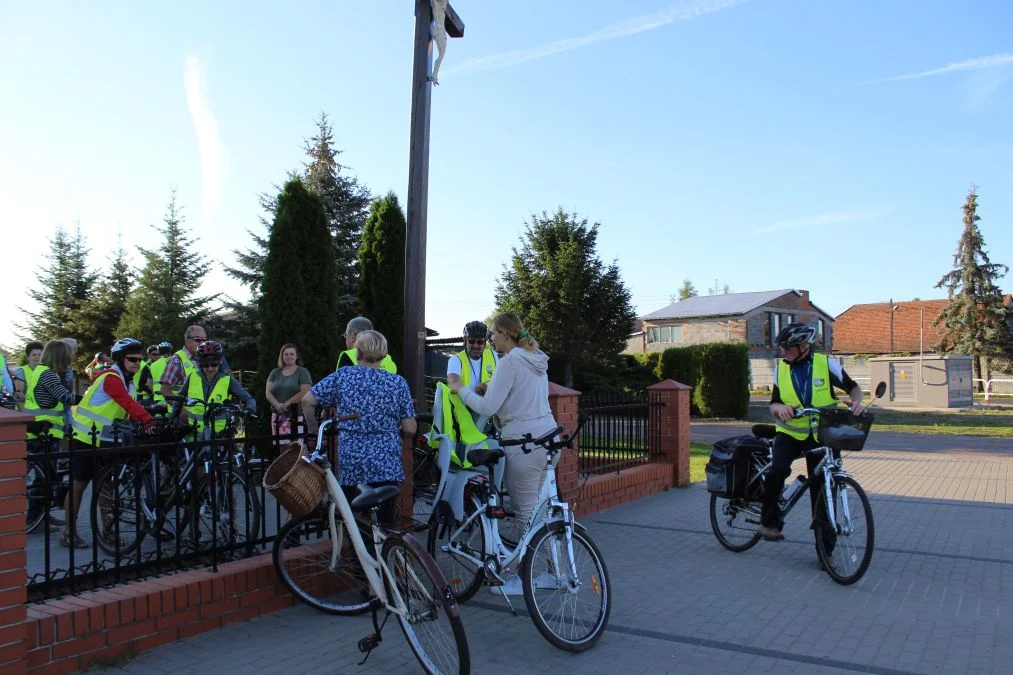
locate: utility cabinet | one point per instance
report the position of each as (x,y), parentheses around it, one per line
(930,381)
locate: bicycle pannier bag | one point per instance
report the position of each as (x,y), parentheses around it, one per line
(730,464)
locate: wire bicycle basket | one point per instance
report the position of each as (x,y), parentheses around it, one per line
(841,429)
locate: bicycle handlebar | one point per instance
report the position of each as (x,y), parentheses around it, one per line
(545,441)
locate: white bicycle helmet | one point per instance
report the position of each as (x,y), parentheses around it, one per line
(796,334)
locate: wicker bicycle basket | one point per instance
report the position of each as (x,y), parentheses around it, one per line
(841,429)
(296,484)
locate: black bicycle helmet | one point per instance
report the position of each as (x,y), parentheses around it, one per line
(124,346)
(476,329)
(209,350)
(796,334)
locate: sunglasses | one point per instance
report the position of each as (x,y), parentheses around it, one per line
(476,342)
(210,364)
(133,359)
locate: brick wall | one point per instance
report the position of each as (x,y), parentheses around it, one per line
(605,491)
(13,540)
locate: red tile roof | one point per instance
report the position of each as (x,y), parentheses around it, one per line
(865,329)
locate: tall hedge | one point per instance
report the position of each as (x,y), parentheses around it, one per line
(722,389)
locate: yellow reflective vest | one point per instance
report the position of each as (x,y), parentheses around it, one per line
(387,363)
(189,368)
(99,413)
(822,394)
(52,415)
(488,366)
(458,425)
(157,368)
(218,394)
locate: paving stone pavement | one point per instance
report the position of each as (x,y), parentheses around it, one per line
(938,597)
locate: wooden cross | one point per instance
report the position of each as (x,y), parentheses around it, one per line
(418,194)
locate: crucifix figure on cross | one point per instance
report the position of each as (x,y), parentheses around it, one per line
(439,30)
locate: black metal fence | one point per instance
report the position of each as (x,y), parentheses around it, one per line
(156,503)
(618,431)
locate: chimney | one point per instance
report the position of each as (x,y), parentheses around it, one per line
(804,294)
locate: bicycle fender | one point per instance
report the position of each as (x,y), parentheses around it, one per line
(453,610)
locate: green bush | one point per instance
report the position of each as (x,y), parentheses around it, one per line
(723,387)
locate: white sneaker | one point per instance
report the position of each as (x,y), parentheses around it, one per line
(513,586)
(546,582)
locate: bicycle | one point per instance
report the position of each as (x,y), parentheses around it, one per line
(403,579)
(204,493)
(843,524)
(425,474)
(557,559)
(47,481)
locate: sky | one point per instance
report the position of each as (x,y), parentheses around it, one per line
(758,144)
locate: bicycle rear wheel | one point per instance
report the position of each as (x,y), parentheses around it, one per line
(570,611)
(425,480)
(844,547)
(302,557)
(734,522)
(235,510)
(464,576)
(432,623)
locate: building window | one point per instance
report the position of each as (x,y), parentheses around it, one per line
(666,334)
(821,336)
(775,326)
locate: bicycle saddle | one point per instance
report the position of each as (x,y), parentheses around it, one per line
(485,456)
(369,497)
(764,430)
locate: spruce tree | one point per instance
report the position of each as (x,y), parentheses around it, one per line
(346,203)
(974,322)
(98,321)
(65,288)
(576,306)
(299,297)
(166,299)
(381,271)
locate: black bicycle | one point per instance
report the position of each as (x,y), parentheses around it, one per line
(842,523)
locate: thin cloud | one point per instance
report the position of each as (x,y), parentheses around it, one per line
(981,63)
(213,153)
(682,11)
(832,218)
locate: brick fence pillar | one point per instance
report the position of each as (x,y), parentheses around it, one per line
(13,543)
(669,424)
(565,405)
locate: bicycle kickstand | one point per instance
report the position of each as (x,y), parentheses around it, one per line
(373,640)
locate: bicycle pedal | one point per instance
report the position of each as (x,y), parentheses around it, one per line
(369,643)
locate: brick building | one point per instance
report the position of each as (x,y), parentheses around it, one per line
(750,318)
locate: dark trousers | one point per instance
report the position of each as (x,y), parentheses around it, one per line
(786,450)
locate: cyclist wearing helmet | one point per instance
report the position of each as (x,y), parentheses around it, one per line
(209,384)
(805,379)
(184,361)
(481,360)
(348,357)
(109,398)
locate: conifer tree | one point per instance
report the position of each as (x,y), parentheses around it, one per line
(65,287)
(381,271)
(166,299)
(299,297)
(96,325)
(687,290)
(577,307)
(974,323)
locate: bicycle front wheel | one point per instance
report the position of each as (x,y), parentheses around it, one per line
(844,544)
(302,557)
(734,522)
(566,587)
(37,493)
(114,510)
(432,620)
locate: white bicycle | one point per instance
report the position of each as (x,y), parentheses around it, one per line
(566,584)
(325,563)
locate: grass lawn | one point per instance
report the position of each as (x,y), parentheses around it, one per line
(699,453)
(996,423)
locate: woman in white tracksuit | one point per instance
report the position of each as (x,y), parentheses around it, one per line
(519,394)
